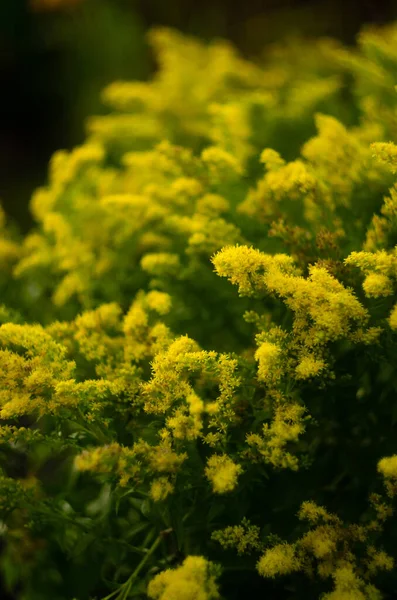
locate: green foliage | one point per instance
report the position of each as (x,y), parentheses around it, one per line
(197,339)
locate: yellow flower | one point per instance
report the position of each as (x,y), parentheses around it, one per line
(195,579)
(313,513)
(386,153)
(268,357)
(161,263)
(220,161)
(377,284)
(309,366)
(388,467)
(159,302)
(271,159)
(279,560)
(393,318)
(222,472)
(244,537)
(160,489)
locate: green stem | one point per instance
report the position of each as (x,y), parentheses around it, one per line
(97,432)
(125,588)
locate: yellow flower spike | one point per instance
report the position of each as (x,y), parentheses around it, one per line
(185,427)
(309,366)
(287,426)
(222,472)
(129,96)
(212,408)
(163,459)
(271,159)
(136,319)
(220,162)
(42,202)
(195,579)
(160,302)
(196,405)
(160,489)
(230,128)
(279,560)
(188,187)
(312,512)
(321,541)
(378,561)
(243,537)
(376,285)
(388,467)
(161,264)
(386,153)
(268,357)
(244,266)
(348,586)
(212,203)
(393,318)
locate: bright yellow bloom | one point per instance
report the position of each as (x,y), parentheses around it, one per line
(376,285)
(160,489)
(279,560)
(195,579)
(386,152)
(309,366)
(388,467)
(393,318)
(268,357)
(222,472)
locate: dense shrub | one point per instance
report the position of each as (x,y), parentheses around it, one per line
(197,378)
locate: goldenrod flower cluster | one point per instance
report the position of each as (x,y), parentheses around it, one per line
(193,580)
(222,473)
(198,336)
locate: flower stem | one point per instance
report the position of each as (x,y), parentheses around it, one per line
(123,591)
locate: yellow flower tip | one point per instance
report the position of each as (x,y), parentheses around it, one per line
(240,264)
(388,467)
(267,355)
(195,579)
(309,367)
(379,560)
(196,405)
(243,537)
(187,186)
(376,285)
(271,159)
(310,511)
(159,302)
(211,203)
(182,346)
(386,153)
(219,160)
(222,472)
(161,263)
(393,318)
(345,579)
(185,427)
(212,408)
(321,542)
(160,489)
(279,560)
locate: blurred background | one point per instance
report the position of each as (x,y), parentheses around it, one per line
(56,56)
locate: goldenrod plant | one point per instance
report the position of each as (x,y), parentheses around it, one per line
(198,337)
